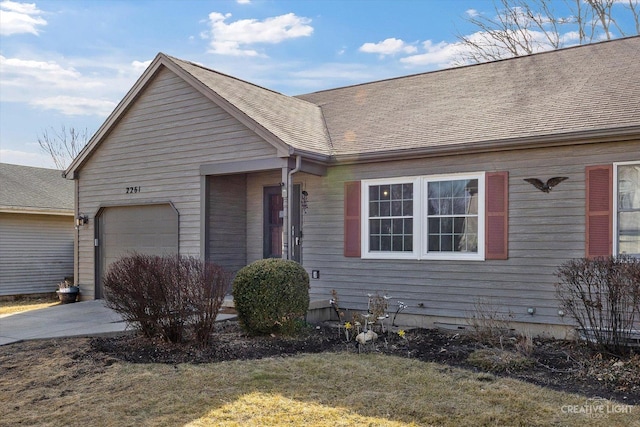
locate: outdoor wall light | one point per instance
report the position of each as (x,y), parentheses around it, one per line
(81,220)
(305,201)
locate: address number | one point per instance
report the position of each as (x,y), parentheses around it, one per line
(133,190)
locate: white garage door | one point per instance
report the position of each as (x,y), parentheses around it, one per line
(145,229)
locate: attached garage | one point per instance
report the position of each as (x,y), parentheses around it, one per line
(123,230)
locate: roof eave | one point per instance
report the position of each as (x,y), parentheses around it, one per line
(543,141)
(35,210)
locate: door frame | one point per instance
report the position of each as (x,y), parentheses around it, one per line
(295,222)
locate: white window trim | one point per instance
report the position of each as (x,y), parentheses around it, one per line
(364,222)
(419,220)
(616,235)
(478,256)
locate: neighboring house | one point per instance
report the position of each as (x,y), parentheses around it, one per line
(412,186)
(36,229)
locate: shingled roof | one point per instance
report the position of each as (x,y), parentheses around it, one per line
(569,91)
(34,190)
(583,93)
(295,122)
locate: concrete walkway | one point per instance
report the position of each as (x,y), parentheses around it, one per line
(86,318)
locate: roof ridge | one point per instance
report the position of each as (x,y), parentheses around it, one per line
(467,66)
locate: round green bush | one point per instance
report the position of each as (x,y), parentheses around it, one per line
(271,295)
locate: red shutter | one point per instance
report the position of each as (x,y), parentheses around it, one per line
(599,215)
(497,215)
(352,219)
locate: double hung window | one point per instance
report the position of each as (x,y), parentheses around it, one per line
(427,217)
(627,209)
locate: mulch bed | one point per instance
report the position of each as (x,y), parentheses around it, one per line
(561,365)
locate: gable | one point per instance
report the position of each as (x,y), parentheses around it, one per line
(172,123)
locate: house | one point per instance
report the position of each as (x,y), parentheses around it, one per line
(36,229)
(413,186)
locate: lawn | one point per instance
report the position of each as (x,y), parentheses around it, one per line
(66,382)
(26,304)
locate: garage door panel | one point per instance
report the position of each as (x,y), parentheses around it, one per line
(147,229)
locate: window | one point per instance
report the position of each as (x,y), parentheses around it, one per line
(627,208)
(429,217)
(452,215)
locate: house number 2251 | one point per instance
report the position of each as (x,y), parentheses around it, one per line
(133,190)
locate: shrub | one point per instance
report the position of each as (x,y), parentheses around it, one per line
(603,297)
(271,295)
(167,296)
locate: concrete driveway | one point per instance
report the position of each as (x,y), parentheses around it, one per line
(86,318)
(64,320)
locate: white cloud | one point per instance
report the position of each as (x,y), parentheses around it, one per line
(390,46)
(141,65)
(79,87)
(15,72)
(235,37)
(20,18)
(472,13)
(441,54)
(27,158)
(243,1)
(76,106)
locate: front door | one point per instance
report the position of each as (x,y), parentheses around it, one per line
(273,223)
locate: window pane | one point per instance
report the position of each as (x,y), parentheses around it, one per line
(385,208)
(407,208)
(446,243)
(434,225)
(374,226)
(446,225)
(374,209)
(629,233)
(385,243)
(374,243)
(407,191)
(408,243)
(385,192)
(396,192)
(374,193)
(629,187)
(397,244)
(385,226)
(434,243)
(398,226)
(396,208)
(408,226)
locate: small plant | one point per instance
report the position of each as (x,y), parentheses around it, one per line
(488,324)
(271,295)
(603,297)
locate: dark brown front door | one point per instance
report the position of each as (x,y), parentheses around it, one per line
(273,223)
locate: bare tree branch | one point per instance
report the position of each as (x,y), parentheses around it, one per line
(523,27)
(63,146)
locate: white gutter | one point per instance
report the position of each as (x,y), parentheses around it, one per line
(287,229)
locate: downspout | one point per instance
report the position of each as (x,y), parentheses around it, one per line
(287,231)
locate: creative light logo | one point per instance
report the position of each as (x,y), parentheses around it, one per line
(597,408)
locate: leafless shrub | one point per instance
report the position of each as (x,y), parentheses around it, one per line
(488,324)
(167,296)
(603,297)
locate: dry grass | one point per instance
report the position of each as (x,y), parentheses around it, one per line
(56,383)
(26,304)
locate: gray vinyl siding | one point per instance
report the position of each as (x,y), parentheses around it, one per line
(255,221)
(544,231)
(36,252)
(227,213)
(160,142)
